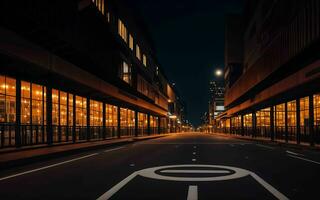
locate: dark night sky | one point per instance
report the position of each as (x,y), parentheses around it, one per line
(189,41)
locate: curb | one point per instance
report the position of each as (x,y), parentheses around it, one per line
(274,143)
(44,157)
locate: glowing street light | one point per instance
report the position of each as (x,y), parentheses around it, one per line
(218,72)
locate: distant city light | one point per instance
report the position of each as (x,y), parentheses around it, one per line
(218,72)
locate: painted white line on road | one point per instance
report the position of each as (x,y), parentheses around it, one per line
(117,187)
(132,165)
(151,173)
(312,161)
(293,153)
(196,171)
(264,146)
(194,153)
(47,167)
(192,192)
(269,187)
(109,150)
(194,147)
(194,160)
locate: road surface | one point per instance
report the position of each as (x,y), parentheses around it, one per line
(187,166)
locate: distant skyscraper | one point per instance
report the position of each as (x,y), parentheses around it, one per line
(216,102)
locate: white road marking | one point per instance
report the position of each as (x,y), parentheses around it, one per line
(196,171)
(194,147)
(315,162)
(194,160)
(132,165)
(193,192)
(264,146)
(194,153)
(269,187)
(109,150)
(151,173)
(293,153)
(231,145)
(47,167)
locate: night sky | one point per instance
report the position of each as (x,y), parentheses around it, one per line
(189,42)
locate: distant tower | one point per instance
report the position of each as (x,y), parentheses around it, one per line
(216,103)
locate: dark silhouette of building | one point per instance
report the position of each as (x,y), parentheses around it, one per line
(277,95)
(77,70)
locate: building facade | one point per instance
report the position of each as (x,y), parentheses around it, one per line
(78,70)
(277,93)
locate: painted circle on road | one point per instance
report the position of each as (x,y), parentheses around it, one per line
(228,173)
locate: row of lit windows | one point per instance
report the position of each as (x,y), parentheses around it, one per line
(263,116)
(33,103)
(128,38)
(101,5)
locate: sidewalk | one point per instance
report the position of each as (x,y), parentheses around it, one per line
(27,155)
(301,146)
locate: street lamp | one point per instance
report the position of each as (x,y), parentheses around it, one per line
(218,72)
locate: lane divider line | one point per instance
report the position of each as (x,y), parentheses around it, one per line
(293,153)
(308,160)
(109,150)
(47,167)
(264,146)
(192,192)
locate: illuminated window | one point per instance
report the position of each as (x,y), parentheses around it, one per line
(55,107)
(70,117)
(304,115)
(142,123)
(111,116)
(25,102)
(81,111)
(38,111)
(316,101)
(263,118)
(100,5)
(247,121)
(292,119)
(125,72)
(138,52)
(96,113)
(144,60)
(122,30)
(7,100)
(236,122)
(280,115)
(127,118)
(130,42)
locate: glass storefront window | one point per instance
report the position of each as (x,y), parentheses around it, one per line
(7,100)
(316,102)
(280,115)
(25,102)
(127,118)
(81,111)
(304,116)
(96,113)
(112,116)
(70,117)
(38,102)
(55,107)
(263,118)
(142,123)
(247,121)
(292,119)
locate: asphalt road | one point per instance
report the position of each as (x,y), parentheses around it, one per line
(201,167)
